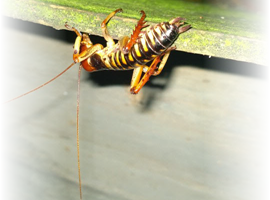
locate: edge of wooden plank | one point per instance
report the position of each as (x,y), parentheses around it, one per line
(194,41)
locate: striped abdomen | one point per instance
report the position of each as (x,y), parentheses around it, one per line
(150,44)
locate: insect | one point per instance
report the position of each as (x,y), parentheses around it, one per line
(152,45)
(130,53)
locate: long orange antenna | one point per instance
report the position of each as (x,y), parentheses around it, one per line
(78,139)
(40,85)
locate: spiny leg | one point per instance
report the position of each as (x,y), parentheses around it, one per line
(140,25)
(162,64)
(105,32)
(163,61)
(151,70)
(136,83)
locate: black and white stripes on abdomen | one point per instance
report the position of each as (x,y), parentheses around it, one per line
(149,45)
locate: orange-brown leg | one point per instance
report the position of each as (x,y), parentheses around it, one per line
(87,53)
(136,76)
(140,25)
(83,42)
(77,44)
(151,70)
(162,64)
(105,32)
(164,60)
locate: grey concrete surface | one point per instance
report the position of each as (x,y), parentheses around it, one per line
(198,131)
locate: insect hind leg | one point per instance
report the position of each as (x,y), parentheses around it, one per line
(152,70)
(135,35)
(139,83)
(163,61)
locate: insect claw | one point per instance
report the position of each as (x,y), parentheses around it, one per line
(184,28)
(133,91)
(119,10)
(67,26)
(142,12)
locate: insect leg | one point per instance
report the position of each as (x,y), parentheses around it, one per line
(150,71)
(162,64)
(137,85)
(136,76)
(82,42)
(77,44)
(87,53)
(105,32)
(163,61)
(140,25)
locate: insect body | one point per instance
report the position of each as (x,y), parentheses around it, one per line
(143,47)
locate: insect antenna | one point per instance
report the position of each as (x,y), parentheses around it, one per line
(77,112)
(77,122)
(40,85)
